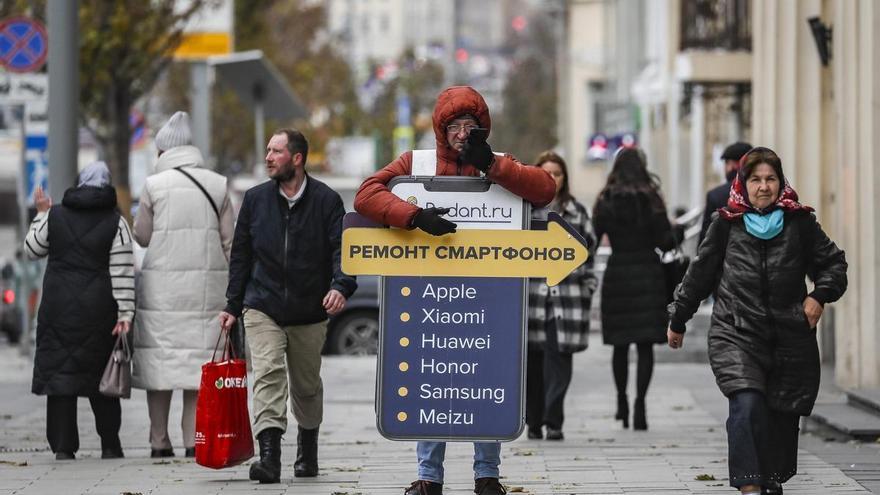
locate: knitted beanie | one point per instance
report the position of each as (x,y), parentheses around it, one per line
(174,133)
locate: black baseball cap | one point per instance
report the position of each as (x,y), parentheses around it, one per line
(736,151)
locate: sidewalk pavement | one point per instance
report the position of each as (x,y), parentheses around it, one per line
(684,451)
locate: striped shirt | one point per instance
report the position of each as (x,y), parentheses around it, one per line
(36,245)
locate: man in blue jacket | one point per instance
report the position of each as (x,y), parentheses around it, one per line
(285,278)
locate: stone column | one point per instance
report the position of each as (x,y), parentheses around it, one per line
(856,76)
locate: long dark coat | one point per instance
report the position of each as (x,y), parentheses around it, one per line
(760,338)
(634,285)
(78,311)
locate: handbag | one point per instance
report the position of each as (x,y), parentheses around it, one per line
(223,424)
(675,265)
(116,380)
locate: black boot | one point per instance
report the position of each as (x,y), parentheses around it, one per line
(268,468)
(421,487)
(306,465)
(488,486)
(622,409)
(775,488)
(640,421)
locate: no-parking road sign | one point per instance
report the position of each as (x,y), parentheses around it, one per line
(24,44)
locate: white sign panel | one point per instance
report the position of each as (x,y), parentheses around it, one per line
(21,88)
(495,209)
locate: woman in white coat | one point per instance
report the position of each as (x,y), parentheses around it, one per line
(185,219)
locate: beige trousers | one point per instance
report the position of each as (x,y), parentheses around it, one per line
(159,405)
(284,357)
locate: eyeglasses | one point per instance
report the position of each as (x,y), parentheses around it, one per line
(456,128)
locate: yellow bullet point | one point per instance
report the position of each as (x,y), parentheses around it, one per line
(405,291)
(403,366)
(404,342)
(404,317)
(401,416)
(402,391)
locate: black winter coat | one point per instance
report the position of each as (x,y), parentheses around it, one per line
(634,285)
(759,337)
(77,311)
(284,260)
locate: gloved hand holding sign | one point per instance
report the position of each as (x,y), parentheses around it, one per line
(431,221)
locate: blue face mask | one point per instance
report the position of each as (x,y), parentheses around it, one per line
(764,226)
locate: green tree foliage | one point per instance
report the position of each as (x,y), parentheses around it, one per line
(420,81)
(528,124)
(124,47)
(291,33)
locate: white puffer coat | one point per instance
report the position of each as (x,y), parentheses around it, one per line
(180,291)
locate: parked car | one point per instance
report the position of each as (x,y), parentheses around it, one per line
(10,312)
(355,331)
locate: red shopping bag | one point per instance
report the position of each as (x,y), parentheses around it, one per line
(223,425)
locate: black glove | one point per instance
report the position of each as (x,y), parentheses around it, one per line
(478,153)
(429,220)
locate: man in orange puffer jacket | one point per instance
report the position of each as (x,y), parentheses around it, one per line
(458,111)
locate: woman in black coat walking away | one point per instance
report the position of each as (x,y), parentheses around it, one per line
(631,212)
(559,317)
(762,342)
(88,299)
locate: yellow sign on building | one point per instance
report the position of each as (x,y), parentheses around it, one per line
(202,45)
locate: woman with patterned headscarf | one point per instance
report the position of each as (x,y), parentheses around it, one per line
(762,342)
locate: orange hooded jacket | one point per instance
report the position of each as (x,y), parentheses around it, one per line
(376,202)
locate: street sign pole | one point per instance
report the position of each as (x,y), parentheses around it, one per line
(63,21)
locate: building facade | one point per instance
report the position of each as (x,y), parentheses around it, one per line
(824,121)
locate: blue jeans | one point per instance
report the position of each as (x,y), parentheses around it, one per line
(487,458)
(762,443)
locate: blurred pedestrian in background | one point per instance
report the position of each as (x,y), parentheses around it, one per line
(185,219)
(285,278)
(762,343)
(717,197)
(559,316)
(631,211)
(88,299)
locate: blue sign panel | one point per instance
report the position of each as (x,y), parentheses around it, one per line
(23,44)
(451,358)
(36,166)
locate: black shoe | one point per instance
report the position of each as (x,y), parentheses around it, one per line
(640,422)
(535,433)
(306,465)
(774,489)
(64,456)
(488,486)
(622,410)
(268,468)
(554,434)
(422,487)
(161,453)
(190,452)
(112,453)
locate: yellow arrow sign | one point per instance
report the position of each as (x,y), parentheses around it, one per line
(550,254)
